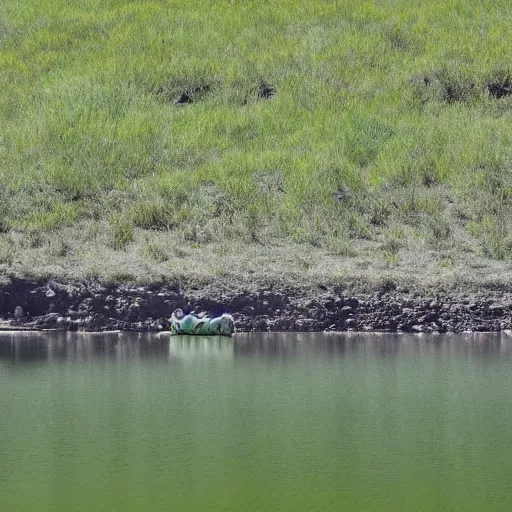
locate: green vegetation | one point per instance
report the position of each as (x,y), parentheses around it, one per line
(148,131)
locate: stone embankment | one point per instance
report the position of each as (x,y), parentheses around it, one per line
(95,306)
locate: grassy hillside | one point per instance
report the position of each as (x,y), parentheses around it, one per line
(137,135)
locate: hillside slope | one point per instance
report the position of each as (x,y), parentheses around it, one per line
(329,140)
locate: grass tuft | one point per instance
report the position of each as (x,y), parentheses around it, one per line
(7,251)
(156,252)
(154,216)
(121,233)
(499,84)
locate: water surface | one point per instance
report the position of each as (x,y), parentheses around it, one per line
(282,422)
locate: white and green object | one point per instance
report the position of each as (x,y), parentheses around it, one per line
(201,325)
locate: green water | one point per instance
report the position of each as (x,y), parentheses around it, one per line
(261,422)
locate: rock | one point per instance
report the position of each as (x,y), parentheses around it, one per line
(261,325)
(163,322)
(156,326)
(329,305)
(96,322)
(134,313)
(48,321)
(275,307)
(496,309)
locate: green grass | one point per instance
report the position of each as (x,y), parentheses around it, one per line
(329,124)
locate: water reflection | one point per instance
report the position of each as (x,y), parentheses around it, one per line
(186,347)
(61,346)
(279,345)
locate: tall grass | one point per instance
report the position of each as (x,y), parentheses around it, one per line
(314,122)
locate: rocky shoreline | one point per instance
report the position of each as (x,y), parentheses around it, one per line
(95,306)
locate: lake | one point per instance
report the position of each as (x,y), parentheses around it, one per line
(286,422)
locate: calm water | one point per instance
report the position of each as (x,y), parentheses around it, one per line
(261,422)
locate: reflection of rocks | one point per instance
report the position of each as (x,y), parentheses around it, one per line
(271,345)
(278,307)
(62,346)
(281,346)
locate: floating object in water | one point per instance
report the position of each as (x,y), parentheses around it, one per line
(201,324)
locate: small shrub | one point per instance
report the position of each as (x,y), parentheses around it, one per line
(93,273)
(265,90)
(392,258)
(153,216)
(366,139)
(304,262)
(49,215)
(182,91)
(379,213)
(386,285)
(392,246)
(446,262)
(358,226)
(190,233)
(495,237)
(180,252)
(122,277)
(398,38)
(60,248)
(340,246)
(497,245)
(417,203)
(155,252)
(122,233)
(500,84)
(439,229)
(7,251)
(457,89)
(447,85)
(270,183)
(34,239)
(311,237)
(254,223)
(200,234)
(191,94)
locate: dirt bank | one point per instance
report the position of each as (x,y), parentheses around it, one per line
(94,306)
